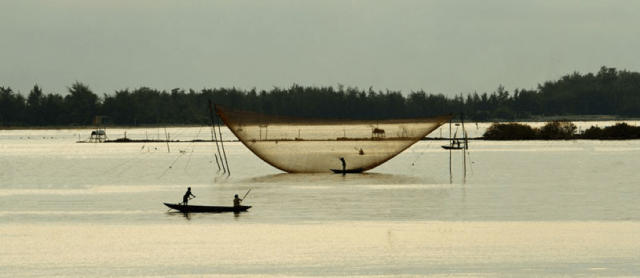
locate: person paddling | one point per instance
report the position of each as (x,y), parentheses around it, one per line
(236,201)
(185,199)
(344,164)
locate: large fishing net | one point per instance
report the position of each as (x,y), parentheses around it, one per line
(317,145)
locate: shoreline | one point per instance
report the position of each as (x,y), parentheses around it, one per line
(540,119)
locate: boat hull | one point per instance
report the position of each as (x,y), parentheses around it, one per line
(214,209)
(348,171)
(452,148)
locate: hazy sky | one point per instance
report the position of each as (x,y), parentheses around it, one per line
(448,47)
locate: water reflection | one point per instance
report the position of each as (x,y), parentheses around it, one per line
(178,214)
(189,215)
(364,197)
(353,179)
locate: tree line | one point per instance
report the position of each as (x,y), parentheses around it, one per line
(608,92)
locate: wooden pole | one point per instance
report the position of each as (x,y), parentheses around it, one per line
(450,145)
(217,161)
(464,156)
(215,138)
(245,196)
(222,144)
(166,138)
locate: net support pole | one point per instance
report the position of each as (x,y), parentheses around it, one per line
(215,138)
(222,144)
(216,155)
(464,154)
(166,137)
(451,145)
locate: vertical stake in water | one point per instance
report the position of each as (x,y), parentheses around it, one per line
(450,144)
(217,161)
(167,138)
(213,135)
(222,144)
(464,155)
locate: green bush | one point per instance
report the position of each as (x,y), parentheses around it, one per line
(557,130)
(617,131)
(593,132)
(510,131)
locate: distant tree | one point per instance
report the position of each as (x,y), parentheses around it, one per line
(81,104)
(509,131)
(622,131)
(12,108)
(557,130)
(593,132)
(35,100)
(616,132)
(53,110)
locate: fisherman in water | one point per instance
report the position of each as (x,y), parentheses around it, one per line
(344,164)
(185,199)
(236,201)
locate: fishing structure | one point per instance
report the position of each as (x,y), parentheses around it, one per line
(99,135)
(321,142)
(458,144)
(213,126)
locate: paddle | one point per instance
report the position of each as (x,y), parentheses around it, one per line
(245,196)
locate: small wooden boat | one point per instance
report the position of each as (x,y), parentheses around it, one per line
(348,171)
(456,145)
(187,208)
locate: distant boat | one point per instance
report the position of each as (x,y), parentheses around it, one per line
(187,208)
(455,146)
(348,171)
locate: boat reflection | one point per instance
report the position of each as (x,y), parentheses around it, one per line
(189,215)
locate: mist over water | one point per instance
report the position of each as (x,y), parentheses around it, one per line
(528,208)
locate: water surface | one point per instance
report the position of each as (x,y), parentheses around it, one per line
(529,208)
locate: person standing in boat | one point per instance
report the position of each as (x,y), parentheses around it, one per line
(185,199)
(344,164)
(236,201)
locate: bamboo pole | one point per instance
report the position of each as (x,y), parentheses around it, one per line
(222,144)
(450,150)
(166,138)
(215,138)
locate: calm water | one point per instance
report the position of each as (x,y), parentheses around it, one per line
(564,208)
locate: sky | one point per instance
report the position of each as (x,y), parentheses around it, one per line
(445,47)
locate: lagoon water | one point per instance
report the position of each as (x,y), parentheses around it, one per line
(528,208)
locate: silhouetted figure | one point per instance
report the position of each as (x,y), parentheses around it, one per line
(185,199)
(236,201)
(344,164)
